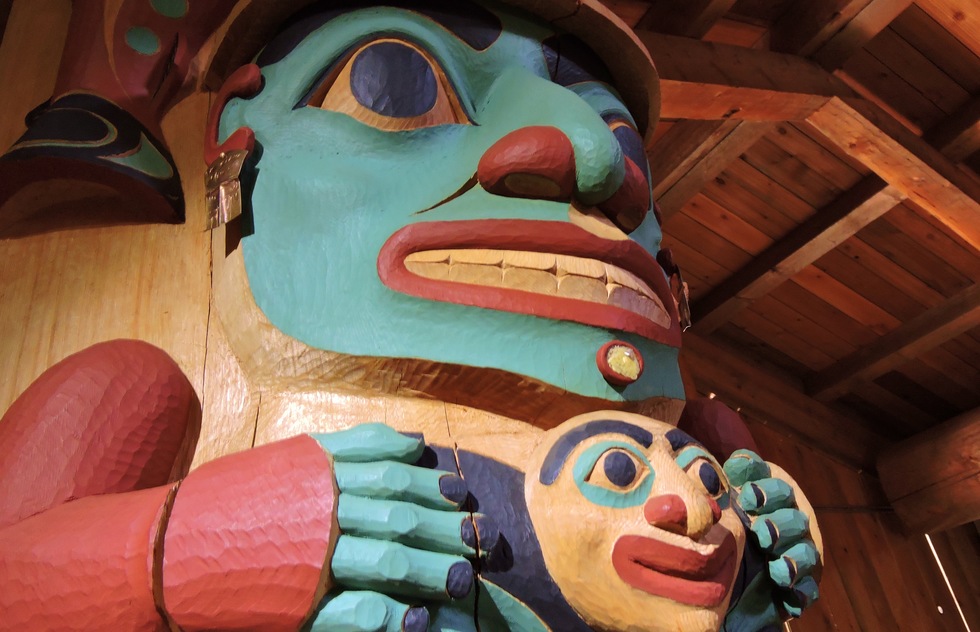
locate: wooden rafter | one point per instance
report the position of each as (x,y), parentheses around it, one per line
(958,136)
(691,153)
(870,20)
(905,161)
(704,80)
(856,208)
(830,31)
(930,329)
(687,18)
(775,398)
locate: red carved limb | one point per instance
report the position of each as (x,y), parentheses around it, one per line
(249,539)
(247,546)
(85,565)
(118,416)
(719,428)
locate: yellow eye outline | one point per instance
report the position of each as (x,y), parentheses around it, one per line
(334,94)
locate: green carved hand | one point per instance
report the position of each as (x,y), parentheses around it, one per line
(781,557)
(403,537)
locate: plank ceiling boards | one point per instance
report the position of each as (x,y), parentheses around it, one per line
(832,251)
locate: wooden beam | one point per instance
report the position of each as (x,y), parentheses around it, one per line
(692,153)
(861,29)
(856,208)
(905,161)
(958,136)
(957,315)
(773,397)
(687,18)
(933,478)
(704,80)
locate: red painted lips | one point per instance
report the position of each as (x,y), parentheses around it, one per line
(676,573)
(532,236)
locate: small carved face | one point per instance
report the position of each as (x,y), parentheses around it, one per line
(635,523)
(444,181)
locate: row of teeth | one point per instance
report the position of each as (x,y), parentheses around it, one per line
(542,273)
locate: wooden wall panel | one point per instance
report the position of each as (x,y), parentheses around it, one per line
(876,578)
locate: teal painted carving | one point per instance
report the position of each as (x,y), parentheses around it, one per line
(356,205)
(781,559)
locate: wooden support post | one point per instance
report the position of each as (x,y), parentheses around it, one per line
(933,478)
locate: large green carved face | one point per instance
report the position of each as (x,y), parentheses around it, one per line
(379,232)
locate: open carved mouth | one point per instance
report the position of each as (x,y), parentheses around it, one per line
(549,269)
(683,575)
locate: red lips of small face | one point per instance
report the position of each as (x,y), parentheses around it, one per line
(679,574)
(534,236)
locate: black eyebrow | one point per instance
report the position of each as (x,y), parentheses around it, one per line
(555,460)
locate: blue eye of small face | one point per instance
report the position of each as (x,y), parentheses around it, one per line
(619,469)
(709,478)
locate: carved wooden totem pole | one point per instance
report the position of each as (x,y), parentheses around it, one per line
(435,261)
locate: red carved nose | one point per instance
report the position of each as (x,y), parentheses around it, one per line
(667,512)
(533,162)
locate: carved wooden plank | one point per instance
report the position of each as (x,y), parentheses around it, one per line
(704,80)
(694,172)
(844,217)
(930,329)
(905,161)
(772,396)
(933,478)
(688,18)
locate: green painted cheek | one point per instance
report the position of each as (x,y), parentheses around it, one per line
(585,464)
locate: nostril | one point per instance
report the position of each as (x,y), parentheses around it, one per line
(667,512)
(532,162)
(628,206)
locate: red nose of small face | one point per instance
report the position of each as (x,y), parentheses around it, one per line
(667,512)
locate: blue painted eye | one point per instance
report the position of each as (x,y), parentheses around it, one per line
(709,478)
(393,79)
(619,469)
(390,84)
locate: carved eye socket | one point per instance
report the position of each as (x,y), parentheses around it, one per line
(708,476)
(389,84)
(617,470)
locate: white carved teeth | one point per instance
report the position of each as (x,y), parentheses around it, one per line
(542,273)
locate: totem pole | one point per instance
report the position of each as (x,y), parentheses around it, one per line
(436,215)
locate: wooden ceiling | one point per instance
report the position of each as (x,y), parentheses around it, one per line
(817,169)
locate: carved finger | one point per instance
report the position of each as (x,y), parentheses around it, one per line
(388,480)
(415,526)
(397,569)
(780,529)
(802,596)
(365,611)
(370,442)
(765,496)
(744,466)
(797,562)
